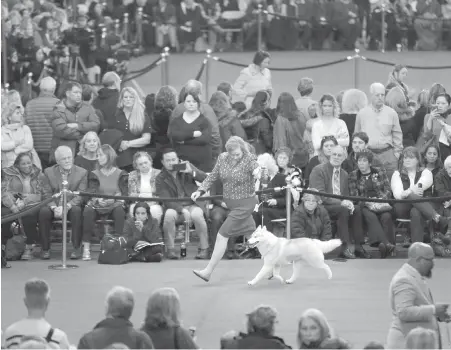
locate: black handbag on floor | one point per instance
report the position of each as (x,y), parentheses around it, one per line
(113,250)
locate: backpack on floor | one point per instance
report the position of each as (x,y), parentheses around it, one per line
(15,246)
(113,250)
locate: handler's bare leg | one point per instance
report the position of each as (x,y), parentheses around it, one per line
(216,256)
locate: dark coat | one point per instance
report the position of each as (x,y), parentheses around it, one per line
(259,130)
(350,163)
(442,183)
(171,338)
(379,178)
(260,341)
(151,232)
(166,187)
(316,225)
(115,330)
(229,126)
(321,179)
(106,102)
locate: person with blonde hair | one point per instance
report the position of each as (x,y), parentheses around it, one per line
(421,338)
(88,151)
(131,120)
(16,136)
(313,329)
(353,101)
(163,321)
(237,169)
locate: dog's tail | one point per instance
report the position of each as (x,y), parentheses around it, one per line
(328,246)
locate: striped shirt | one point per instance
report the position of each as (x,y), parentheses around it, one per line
(237,179)
(33,327)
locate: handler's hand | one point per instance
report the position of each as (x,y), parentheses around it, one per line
(195,195)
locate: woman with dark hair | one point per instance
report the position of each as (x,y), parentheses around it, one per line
(108,180)
(431,158)
(257,123)
(229,125)
(143,235)
(411,182)
(289,130)
(253,79)
(325,150)
(191,135)
(21,188)
(396,79)
(435,90)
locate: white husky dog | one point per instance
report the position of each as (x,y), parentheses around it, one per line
(277,251)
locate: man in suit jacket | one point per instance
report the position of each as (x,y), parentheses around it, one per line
(77,179)
(172,183)
(411,299)
(330,178)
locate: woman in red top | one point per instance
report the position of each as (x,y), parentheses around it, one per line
(236,169)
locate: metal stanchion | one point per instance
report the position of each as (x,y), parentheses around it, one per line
(63,265)
(207,75)
(383,27)
(5,55)
(117,25)
(356,68)
(125,31)
(163,72)
(288,208)
(103,37)
(259,27)
(187,225)
(30,89)
(167,51)
(139,29)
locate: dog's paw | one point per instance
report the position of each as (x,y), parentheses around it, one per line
(270,277)
(251,283)
(280,279)
(289,281)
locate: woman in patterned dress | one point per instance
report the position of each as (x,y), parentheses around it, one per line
(237,169)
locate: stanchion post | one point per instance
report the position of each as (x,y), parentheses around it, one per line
(63,265)
(5,55)
(163,73)
(167,52)
(288,207)
(259,26)
(207,75)
(126,27)
(29,80)
(139,28)
(356,68)
(383,27)
(117,25)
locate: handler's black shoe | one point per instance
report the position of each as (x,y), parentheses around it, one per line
(347,254)
(362,253)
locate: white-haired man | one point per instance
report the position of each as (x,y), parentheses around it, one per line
(442,186)
(411,299)
(195,87)
(37,113)
(108,97)
(116,327)
(37,299)
(77,179)
(381,124)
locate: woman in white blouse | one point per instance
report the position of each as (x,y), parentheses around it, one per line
(328,123)
(252,79)
(413,182)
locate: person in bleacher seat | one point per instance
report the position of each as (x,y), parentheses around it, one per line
(88,154)
(359,143)
(21,188)
(175,183)
(77,179)
(189,17)
(141,183)
(110,180)
(372,182)
(442,187)
(327,145)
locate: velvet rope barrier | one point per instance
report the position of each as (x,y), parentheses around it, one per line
(201,70)
(386,63)
(32,209)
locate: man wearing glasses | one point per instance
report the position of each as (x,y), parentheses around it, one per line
(411,300)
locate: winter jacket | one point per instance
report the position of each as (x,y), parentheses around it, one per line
(379,178)
(12,133)
(256,340)
(229,126)
(115,330)
(259,130)
(316,225)
(37,113)
(251,80)
(350,163)
(84,115)
(134,183)
(107,101)
(442,184)
(12,184)
(151,232)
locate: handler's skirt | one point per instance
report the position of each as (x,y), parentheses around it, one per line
(239,221)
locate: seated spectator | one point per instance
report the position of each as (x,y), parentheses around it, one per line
(143,235)
(191,135)
(175,183)
(431,158)
(163,321)
(359,143)
(421,338)
(108,97)
(289,129)
(37,299)
(16,137)
(89,151)
(21,188)
(141,183)
(329,123)
(273,205)
(133,124)
(165,21)
(310,219)
(229,125)
(72,119)
(410,182)
(260,334)
(257,123)
(353,101)
(77,179)
(109,180)
(36,112)
(188,20)
(371,182)
(116,327)
(327,145)
(330,178)
(442,183)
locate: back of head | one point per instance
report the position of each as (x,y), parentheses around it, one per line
(163,309)
(229,340)
(117,346)
(262,320)
(421,338)
(305,86)
(220,104)
(353,101)
(37,294)
(111,80)
(335,343)
(395,98)
(193,87)
(225,87)
(120,302)
(48,84)
(374,345)
(33,342)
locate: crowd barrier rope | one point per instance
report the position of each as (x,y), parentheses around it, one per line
(29,210)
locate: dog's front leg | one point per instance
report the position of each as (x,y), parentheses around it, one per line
(296,271)
(265,271)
